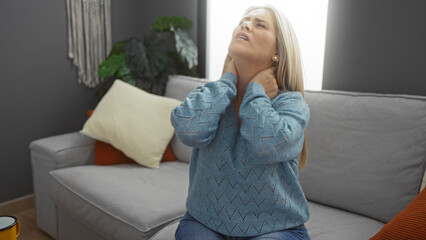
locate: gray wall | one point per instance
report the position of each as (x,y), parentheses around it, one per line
(39,93)
(376,46)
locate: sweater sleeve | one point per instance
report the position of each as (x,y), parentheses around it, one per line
(197,118)
(273,130)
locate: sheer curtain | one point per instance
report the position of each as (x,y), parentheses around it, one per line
(308,17)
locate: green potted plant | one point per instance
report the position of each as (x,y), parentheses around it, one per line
(167,50)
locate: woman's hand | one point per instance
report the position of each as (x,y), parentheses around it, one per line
(230,67)
(266,78)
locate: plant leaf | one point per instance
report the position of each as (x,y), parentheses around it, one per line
(124,70)
(111,65)
(136,59)
(165,23)
(145,85)
(161,81)
(117,48)
(129,79)
(181,67)
(156,51)
(186,48)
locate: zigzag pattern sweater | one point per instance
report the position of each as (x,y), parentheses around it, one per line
(243,179)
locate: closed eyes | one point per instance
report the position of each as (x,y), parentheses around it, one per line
(259,22)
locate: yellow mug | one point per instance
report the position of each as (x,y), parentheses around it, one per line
(9,228)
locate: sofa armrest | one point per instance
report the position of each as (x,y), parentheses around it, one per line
(52,153)
(62,151)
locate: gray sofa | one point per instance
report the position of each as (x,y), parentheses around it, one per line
(366,161)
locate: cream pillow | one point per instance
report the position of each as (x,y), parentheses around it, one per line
(133,121)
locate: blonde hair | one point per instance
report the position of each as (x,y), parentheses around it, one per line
(289,73)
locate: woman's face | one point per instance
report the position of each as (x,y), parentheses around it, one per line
(255,37)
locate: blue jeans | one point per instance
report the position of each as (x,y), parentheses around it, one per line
(190,229)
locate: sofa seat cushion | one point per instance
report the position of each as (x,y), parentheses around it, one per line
(325,223)
(166,233)
(125,201)
(335,224)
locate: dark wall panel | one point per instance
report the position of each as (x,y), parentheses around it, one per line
(376,46)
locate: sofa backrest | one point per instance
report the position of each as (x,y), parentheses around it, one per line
(366,152)
(179,87)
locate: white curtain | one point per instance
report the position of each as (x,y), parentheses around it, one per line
(89,37)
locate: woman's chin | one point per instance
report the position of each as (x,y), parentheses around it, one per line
(236,48)
(240,54)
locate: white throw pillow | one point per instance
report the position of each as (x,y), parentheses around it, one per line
(133,121)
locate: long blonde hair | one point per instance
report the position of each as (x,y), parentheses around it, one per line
(289,73)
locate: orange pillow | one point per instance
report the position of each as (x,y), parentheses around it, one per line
(106,154)
(409,224)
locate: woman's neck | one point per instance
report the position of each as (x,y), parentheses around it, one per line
(246,71)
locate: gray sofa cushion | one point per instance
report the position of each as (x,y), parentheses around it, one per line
(179,87)
(325,223)
(181,151)
(167,233)
(125,201)
(366,152)
(335,224)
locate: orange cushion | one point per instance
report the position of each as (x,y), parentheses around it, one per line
(106,154)
(168,155)
(409,224)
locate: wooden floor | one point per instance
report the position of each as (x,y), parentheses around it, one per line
(23,209)
(29,230)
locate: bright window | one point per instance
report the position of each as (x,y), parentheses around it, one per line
(308,17)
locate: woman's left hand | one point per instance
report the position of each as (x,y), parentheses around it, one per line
(266,78)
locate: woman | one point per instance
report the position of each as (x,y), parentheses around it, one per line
(247,131)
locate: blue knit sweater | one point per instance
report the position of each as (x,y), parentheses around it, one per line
(243,179)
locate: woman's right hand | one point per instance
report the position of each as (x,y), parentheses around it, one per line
(230,67)
(266,78)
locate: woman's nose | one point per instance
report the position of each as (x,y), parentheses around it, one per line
(246,26)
